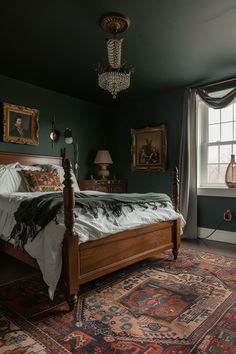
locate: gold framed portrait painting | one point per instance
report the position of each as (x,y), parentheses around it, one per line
(149,148)
(20,124)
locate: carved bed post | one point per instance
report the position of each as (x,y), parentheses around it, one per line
(175,191)
(70,245)
(175,201)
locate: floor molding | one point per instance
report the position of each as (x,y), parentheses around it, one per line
(219,235)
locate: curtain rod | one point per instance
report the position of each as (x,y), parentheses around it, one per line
(215,83)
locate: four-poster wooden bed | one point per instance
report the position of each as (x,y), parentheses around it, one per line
(87,261)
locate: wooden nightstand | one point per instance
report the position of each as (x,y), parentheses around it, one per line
(108,186)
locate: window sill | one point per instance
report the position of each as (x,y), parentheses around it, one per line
(217,192)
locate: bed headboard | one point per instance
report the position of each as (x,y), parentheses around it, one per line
(26,159)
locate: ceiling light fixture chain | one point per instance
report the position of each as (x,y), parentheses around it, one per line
(115,77)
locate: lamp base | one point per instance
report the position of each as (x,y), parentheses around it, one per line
(103,172)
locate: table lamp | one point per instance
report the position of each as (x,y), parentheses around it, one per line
(103,159)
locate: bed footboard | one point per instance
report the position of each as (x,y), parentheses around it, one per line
(93,259)
(101,257)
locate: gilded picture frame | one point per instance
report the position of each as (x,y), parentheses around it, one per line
(149,148)
(20,124)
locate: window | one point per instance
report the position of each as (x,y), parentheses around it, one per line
(216,143)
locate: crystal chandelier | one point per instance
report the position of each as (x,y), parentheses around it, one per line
(115,77)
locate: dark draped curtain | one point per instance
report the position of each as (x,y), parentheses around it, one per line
(217,102)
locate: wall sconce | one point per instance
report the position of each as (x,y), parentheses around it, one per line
(54,134)
(68,137)
(103,159)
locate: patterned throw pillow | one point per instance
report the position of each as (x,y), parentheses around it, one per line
(40,181)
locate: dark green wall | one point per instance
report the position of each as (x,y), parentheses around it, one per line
(211,212)
(152,112)
(85,119)
(165,108)
(97,127)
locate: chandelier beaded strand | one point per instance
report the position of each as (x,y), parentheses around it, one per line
(115,77)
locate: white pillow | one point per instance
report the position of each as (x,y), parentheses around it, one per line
(20,167)
(29,167)
(10,165)
(11,181)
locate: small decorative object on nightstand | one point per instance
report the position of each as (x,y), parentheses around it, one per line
(103,185)
(230,175)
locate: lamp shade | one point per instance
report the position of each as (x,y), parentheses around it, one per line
(103,157)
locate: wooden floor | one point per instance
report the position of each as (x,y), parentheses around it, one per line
(11,269)
(226,249)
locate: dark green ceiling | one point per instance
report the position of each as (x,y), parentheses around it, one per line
(57,43)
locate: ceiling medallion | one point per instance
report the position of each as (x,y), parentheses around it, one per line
(114,22)
(115,77)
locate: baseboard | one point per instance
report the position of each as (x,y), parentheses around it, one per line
(219,235)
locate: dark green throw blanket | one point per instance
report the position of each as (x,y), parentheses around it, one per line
(34,214)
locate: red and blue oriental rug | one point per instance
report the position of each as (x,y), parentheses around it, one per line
(156,306)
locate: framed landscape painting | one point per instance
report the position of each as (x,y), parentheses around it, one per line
(20,124)
(149,148)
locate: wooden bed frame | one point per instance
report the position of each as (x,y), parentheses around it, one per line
(87,261)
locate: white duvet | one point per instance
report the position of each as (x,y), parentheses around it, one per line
(47,245)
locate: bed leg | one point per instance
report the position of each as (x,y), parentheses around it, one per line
(176,238)
(72,301)
(175,200)
(175,253)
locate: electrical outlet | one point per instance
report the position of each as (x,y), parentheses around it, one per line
(227,215)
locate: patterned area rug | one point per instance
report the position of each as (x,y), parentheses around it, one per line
(156,306)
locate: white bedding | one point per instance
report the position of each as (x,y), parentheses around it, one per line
(47,245)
